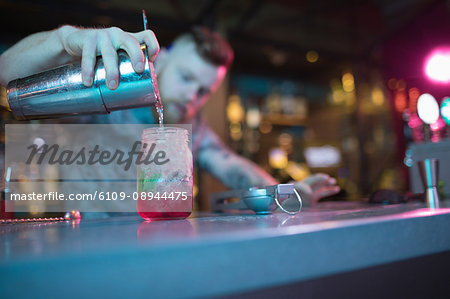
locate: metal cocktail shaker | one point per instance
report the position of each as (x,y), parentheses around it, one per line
(60,92)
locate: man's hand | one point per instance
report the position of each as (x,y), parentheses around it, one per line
(89,43)
(45,50)
(316,187)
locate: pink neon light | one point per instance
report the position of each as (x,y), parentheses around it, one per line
(437,65)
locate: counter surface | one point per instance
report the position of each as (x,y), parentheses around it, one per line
(213,254)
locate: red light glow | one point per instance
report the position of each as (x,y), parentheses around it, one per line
(437,65)
(400,100)
(414,94)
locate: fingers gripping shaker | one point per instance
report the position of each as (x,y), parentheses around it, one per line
(60,91)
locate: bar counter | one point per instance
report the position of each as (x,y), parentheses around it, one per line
(210,255)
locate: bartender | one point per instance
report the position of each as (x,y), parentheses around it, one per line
(189,71)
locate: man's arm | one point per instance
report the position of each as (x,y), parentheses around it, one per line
(46,50)
(239,173)
(36,52)
(233,170)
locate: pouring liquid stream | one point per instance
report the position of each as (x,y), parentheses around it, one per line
(160,110)
(159,106)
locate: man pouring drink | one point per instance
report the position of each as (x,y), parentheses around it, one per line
(188,72)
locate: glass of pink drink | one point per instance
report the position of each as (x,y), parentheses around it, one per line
(165,185)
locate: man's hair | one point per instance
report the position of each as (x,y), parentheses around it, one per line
(212,47)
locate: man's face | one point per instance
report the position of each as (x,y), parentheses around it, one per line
(185,81)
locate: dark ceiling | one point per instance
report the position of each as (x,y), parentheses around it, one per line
(269,37)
